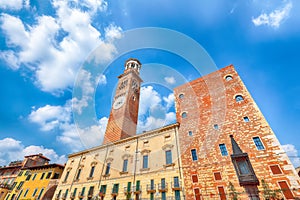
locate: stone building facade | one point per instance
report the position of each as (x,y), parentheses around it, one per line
(210,110)
(220,148)
(145,166)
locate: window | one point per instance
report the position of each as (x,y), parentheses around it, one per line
(286,190)
(26,173)
(91,191)
(228,78)
(59,193)
(168,157)
(194,154)
(34,192)
(34,175)
(78,174)
(115,189)
(258,143)
(20,174)
(197,193)
(74,192)
(221,193)
(92,171)
(163,196)
(125,165)
(246,119)
(66,177)
(66,194)
(243,167)
(48,175)
(184,115)
(223,149)
(152,184)
(20,193)
(181,96)
(217,176)
(43,174)
(176,181)
(20,185)
(145,161)
(216,126)
(13,186)
(107,169)
(55,176)
(103,189)
(195,178)
(190,133)
(40,194)
(82,191)
(275,169)
(28,177)
(26,191)
(239,98)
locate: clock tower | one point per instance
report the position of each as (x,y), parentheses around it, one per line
(123,116)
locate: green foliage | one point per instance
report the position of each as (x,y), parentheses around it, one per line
(233,194)
(269,194)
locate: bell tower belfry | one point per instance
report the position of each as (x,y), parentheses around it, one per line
(123,116)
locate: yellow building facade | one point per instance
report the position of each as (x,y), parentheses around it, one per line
(145,166)
(38,182)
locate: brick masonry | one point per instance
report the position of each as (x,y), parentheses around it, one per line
(212,114)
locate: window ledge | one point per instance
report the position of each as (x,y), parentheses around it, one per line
(145,169)
(169,165)
(106,175)
(122,173)
(89,178)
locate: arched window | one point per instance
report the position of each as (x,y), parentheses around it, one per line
(181,96)
(184,115)
(228,78)
(239,98)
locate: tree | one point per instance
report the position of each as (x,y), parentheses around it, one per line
(232,192)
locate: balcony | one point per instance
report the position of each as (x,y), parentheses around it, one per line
(176,186)
(72,196)
(127,190)
(101,193)
(163,187)
(114,192)
(151,188)
(137,189)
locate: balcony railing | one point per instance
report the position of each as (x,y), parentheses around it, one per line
(176,186)
(163,187)
(72,196)
(151,188)
(137,189)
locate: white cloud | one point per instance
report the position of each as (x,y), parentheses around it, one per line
(53,48)
(275,18)
(60,118)
(154,110)
(292,152)
(50,117)
(12,150)
(169,100)
(11,4)
(170,80)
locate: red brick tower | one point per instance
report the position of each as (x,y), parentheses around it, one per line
(124,112)
(227,147)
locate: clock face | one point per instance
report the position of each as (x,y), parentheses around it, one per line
(119,102)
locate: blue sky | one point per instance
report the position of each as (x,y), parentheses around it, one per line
(45,44)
